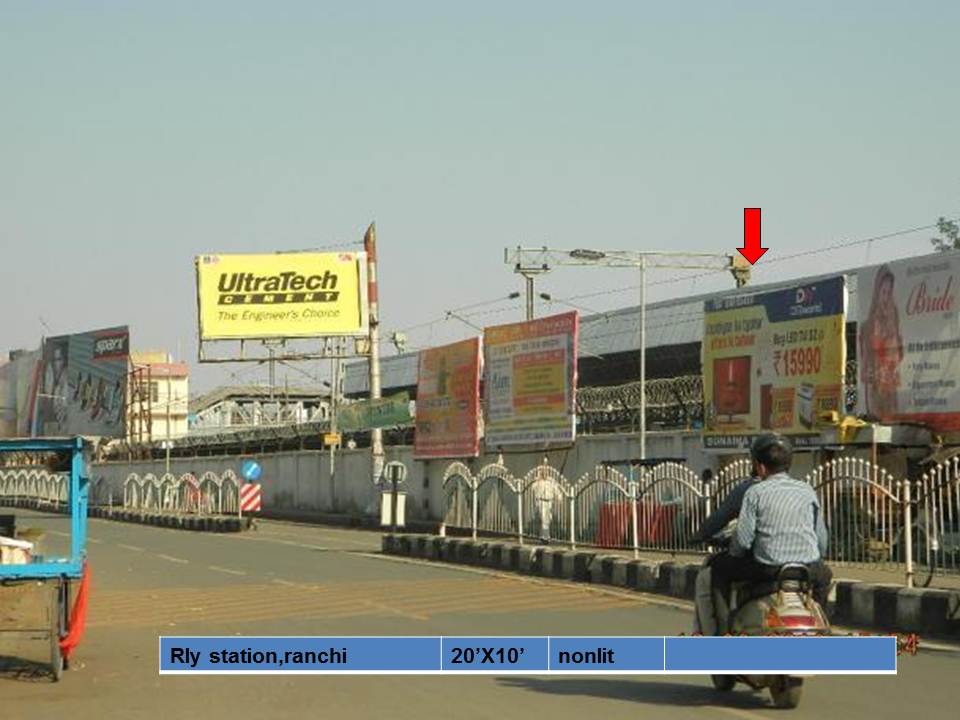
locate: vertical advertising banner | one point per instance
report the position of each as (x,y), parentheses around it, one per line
(909,341)
(773,362)
(80,387)
(448,401)
(531,379)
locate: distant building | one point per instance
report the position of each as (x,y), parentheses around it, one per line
(158,395)
(8,402)
(18,370)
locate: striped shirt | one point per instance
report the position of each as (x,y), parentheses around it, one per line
(780,522)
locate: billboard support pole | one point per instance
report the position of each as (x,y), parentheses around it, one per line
(376,435)
(643,358)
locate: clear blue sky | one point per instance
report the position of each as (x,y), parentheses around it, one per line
(136,135)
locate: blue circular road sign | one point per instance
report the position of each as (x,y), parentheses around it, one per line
(251,470)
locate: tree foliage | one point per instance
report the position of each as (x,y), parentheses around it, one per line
(949,235)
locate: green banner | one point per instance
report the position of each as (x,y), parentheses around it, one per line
(368,414)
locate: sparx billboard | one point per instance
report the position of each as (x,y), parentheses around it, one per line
(80,384)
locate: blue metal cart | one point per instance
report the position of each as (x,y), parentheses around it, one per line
(48,577)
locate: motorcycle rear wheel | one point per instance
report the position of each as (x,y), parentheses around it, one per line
(786,691)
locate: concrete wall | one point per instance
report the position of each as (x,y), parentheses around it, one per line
(301,481)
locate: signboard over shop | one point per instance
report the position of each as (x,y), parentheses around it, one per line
(909,341)
(774,361)
(282,295)
(531,379)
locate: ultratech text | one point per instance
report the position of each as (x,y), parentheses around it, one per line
(281,282)
(281,288)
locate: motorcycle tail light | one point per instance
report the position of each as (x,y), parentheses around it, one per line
(775,621)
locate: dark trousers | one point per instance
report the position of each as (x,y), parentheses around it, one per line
(726,569)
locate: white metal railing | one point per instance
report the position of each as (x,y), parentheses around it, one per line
(213,494)
(45,488)
(866,509)
(935,531)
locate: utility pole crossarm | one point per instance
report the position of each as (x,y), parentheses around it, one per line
(531,260)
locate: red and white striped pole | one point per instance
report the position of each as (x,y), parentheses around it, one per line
(376,435)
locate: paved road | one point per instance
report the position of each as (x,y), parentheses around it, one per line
(289,579)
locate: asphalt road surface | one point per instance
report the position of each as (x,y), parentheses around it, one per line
(285,579)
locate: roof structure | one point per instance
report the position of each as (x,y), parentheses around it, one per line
(674,322)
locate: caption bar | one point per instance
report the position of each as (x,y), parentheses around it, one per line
(529,655)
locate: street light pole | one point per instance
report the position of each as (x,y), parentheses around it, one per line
(529,279)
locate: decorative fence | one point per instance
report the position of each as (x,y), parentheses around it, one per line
(48,489)
(873,518)
(212,494)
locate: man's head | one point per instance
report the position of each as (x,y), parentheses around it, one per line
(771,454)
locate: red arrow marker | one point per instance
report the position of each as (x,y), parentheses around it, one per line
(751,249)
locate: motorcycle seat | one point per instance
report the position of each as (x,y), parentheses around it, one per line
(790,578)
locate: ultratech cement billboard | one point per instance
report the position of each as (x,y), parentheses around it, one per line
(773,361)
(909,341)
(282,295)
(80,383)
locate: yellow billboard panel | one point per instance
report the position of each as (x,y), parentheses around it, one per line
(282,295)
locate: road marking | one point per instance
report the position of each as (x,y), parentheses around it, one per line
(744,714)
(173,559)
(279,598)
(131,547)
(216,568)
(393,610)
(94,540)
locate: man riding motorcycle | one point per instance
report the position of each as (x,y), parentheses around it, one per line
(780,522)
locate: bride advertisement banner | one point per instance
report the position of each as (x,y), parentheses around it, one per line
(773,361)
(909,341)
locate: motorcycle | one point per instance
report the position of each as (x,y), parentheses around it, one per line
(781,607)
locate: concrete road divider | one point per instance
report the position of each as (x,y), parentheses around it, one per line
(883,608)
(178,522)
